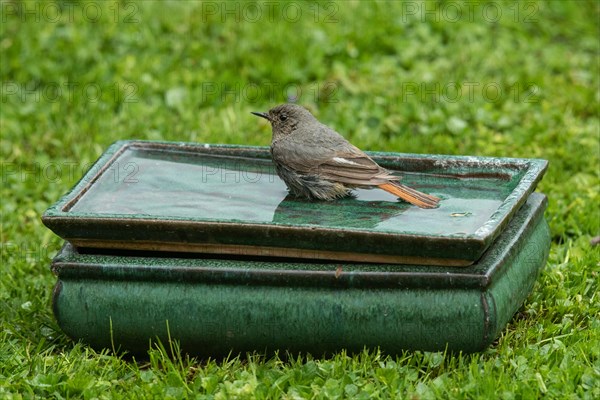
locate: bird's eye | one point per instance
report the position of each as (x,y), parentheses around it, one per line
(283,117)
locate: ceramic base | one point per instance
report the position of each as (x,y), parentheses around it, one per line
(216,305)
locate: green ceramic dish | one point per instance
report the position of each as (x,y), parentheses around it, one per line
(158,196)
(215,305)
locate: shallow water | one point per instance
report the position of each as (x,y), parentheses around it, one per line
(184,185)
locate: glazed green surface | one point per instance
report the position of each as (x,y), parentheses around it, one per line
(193,194)
(229,189)
(125,266)
(214,306)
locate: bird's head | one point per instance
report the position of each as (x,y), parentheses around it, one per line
(286,118)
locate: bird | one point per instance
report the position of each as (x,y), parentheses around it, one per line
(317,163)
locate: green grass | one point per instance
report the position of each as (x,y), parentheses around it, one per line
(384,76)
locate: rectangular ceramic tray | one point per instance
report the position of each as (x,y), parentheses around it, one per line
(205,198)
(213,305)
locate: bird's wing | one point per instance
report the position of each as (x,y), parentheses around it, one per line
(354,168)
(331,156)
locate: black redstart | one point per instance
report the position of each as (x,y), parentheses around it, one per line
(316,162)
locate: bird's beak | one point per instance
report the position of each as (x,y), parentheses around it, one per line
(260,114)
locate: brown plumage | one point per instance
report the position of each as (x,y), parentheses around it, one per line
(316,162)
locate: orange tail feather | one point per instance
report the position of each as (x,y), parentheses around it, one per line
(411,195)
